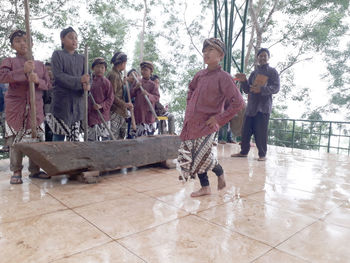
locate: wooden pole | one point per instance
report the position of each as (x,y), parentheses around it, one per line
(102,119)
(133,123)
(86,71)
(146,98)
(33,123)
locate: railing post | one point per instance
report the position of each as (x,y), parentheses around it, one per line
(293,134)
(329,136)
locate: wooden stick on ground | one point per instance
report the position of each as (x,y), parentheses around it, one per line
(33,123)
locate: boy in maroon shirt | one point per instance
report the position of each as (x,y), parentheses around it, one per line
(18,72)
(143,116)
(208,92)
(103,93)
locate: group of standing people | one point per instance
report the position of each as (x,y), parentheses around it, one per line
(213,99)
(64,104)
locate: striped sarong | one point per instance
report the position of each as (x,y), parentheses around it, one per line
(58,126)
(196,156)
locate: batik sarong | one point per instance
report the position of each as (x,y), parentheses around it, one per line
(196,156)
(58,126)
(99,131)
(118,126)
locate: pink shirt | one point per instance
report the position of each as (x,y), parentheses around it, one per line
(103,93)
(208,93)
(142,111)
(17,96)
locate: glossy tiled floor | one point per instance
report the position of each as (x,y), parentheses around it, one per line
(292,208)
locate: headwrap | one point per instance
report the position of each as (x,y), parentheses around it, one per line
(215,43)
(263,50)
(118,58)
(131,71)
(64,32)
(147,64)
(98,61)
(17,33)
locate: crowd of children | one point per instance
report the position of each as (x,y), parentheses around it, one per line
(212,101)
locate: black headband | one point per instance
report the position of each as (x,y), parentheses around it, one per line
(17,33)
(98,61)
(119,58)
(263,50)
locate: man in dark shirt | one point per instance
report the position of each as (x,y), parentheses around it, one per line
(259,104)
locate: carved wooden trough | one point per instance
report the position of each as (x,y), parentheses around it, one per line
(90,158)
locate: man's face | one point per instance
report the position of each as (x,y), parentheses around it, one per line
(212,56)
(70,41)
(99,70)
(146,72)
(263,58)
(20,45)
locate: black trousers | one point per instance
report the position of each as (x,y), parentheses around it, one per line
(203,178)
(257,126)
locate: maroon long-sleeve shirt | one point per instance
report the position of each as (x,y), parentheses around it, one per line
(208,93)
(102,91)
(17,96)
(142,111)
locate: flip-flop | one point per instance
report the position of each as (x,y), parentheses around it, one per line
(38,175)
(17,181)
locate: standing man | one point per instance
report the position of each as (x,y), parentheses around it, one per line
(259,106)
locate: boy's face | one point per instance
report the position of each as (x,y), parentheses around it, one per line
(70,41)
(263,58)
(20,45)
(146,72)
(99,70)
(212,56)
(48,68)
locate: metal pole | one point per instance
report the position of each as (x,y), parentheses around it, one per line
(243,36)
(215,19)
(329,136)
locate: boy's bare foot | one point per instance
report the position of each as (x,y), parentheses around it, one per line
(221,182)
(205,190)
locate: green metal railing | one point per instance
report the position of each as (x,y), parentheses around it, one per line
(329,136)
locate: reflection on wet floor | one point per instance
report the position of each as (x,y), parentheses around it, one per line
(295,207)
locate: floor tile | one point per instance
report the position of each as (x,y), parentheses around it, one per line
(257,220)
(340,216)
(47,237)
(192,239)
(279,257)
(321,243)
(128,215)
(110,252)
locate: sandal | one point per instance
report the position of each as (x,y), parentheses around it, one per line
(40,175)
(16,179)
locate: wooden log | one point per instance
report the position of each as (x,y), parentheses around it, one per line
(57,158)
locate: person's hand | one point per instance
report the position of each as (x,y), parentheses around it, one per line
(86,86)
(255,89)
(241,77)
(33,77)
(144,92)
(97,106)
(212,123)
(29,66)
(129,106)
(125,80)
(85,78)
(138,85)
